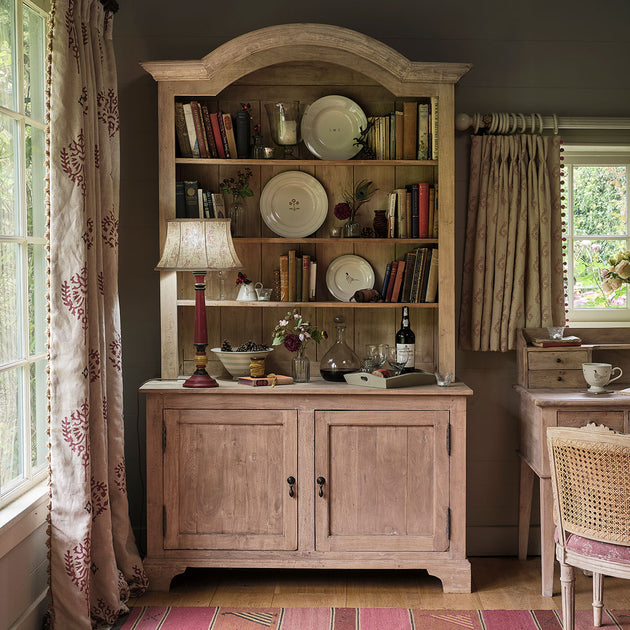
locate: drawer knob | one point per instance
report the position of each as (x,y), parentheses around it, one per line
(291,482)
(558,360)
(559,378)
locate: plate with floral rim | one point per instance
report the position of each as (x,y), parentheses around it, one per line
(293,204)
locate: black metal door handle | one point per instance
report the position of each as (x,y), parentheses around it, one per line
(320,482)
(291,482)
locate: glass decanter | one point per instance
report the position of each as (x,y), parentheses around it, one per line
(339,359)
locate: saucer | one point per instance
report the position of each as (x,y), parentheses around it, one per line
(604,391)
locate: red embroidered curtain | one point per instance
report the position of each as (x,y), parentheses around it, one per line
(94,564)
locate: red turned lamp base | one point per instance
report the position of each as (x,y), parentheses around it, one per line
(200,380)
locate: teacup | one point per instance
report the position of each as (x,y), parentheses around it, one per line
(598,375)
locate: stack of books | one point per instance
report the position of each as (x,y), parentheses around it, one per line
(412,279)
(205,134)
(408,133)
(412,211)
(194,202)
(298,277)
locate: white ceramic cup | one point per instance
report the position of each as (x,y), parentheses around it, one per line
(598,375)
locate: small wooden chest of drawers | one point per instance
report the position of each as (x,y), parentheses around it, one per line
(555,368)
(561,367)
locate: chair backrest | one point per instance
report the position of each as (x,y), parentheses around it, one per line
(590,475)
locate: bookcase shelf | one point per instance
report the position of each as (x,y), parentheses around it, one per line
(332,241)
(290,305)
(338,61)
(298,163)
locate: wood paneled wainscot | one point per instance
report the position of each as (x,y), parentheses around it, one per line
(319,475)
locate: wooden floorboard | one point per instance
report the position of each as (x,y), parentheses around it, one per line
(497,583)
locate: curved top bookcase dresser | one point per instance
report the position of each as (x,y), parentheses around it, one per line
(305,62)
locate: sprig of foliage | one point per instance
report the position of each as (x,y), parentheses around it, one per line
(238,187)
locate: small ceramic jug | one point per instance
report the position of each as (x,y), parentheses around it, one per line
(246,293)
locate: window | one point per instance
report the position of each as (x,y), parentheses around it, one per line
(23,443)
(596,183)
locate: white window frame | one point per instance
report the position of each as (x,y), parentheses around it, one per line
(30,476)
(592,155)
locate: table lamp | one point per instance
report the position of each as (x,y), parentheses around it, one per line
(199,245)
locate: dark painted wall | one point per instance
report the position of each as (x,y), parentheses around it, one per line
(571,58)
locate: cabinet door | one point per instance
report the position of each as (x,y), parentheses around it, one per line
(225,479)
(386,480)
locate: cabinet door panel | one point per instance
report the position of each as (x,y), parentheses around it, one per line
(225,479)
(387,480)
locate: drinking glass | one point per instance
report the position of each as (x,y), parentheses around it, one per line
(397,358)
(378,354)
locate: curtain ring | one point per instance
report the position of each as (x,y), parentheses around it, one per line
(514,120)
(493,123)
(555,124)
(504,123)
(523,122)
(540,122)
(476,122)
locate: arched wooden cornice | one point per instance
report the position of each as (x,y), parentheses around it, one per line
(306,42)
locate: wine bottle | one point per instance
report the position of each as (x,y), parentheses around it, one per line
(406,342)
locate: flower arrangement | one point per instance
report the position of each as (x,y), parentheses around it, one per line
(618,272)
(353,200)
(238,187)
(296,333)
(242,279)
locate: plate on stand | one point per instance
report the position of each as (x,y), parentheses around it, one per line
(347,274)
(330,125)
(293,204)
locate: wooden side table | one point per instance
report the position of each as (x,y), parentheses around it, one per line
(539,409)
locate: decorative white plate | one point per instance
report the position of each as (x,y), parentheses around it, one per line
(293,204)
(347,274)
(330,125)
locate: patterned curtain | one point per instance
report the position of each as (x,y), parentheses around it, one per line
(94,563)
(513,258)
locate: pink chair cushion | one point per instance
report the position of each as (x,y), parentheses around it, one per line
(597,549)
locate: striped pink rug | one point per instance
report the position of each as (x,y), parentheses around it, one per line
(222,618)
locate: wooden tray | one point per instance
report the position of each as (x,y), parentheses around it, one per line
(410,379)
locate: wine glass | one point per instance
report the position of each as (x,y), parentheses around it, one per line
(378,353)
(397,358)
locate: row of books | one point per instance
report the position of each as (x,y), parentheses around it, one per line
(412,279)
(194,202)
(407,134)
(298,277)
(412,211)
(205,134)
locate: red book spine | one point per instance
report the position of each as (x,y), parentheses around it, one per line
(392,278)
(214,120)
(423,210)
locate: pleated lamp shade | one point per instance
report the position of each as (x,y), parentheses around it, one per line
(198,245)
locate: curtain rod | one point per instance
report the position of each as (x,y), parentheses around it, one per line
(501,122)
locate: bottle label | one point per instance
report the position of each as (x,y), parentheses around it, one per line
(408,351)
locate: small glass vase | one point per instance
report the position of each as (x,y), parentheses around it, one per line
(352,229)
(301,369)
(237,217)
(284,120)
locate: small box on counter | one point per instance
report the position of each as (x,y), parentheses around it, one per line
(265,381)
